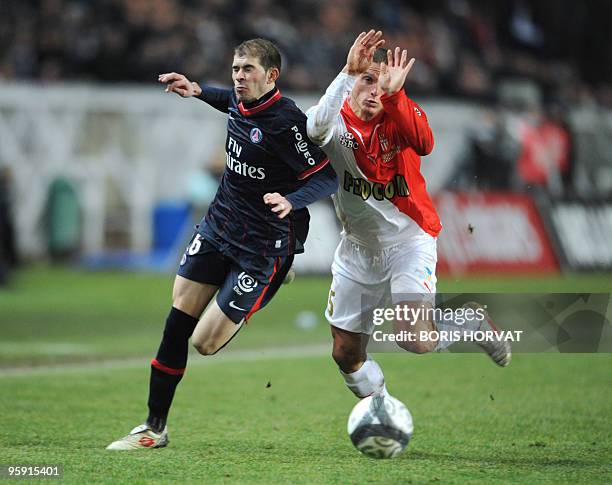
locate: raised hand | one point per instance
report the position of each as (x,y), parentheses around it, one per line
(360,54)
(179,84)
(393,74)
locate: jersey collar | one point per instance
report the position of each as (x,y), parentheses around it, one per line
(267,100)
(355,120)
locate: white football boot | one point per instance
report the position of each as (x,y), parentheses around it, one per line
(141,437)
(499,351)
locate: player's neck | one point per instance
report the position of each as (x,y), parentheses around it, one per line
(264,97)
(359,113)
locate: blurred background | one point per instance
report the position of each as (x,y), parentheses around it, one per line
(99,170)
(102,177)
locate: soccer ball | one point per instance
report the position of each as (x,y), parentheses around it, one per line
(380,426)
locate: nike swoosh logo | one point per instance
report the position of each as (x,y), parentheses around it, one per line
(231,304)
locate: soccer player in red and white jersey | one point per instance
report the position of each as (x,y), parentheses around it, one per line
(375,136)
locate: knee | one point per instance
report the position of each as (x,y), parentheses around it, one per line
(186,305)
(206,347)
(189,300)
(347,361)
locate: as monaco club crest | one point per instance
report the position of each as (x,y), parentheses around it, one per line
(384,143)
(256,135)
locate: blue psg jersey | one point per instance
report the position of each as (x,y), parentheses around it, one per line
(266,150)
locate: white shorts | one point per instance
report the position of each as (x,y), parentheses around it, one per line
(364,279)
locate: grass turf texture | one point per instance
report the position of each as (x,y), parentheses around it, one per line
(545,418)
(549,420)
(59,315)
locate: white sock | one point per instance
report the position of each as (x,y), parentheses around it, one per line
(450,327)
(366,380)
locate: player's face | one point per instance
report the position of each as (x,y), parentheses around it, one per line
(365,96)
(251,81)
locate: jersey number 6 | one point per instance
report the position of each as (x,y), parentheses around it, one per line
(195,245)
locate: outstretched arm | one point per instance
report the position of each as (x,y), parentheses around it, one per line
(409,117)
(315,178)
(318,186)
(179,84)
(322,117)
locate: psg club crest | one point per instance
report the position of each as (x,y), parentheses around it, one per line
(256,135)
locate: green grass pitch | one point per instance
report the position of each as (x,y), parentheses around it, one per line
(546,418)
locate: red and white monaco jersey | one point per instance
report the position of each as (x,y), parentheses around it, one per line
(382,199)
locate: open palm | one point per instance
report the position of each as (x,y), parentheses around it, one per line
(393,74)
(360,55)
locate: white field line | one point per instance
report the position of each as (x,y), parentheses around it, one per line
(44,348)
(271,353)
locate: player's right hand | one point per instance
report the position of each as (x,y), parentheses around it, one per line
(361,52)
(179,84)
(280,206)
(393,73)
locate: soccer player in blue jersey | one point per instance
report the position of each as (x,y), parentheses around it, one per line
(258,221)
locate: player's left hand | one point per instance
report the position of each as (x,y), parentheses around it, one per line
(280,205)
(393,74)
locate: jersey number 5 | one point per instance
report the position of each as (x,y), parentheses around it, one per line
(330,303)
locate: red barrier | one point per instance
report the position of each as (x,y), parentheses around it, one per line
(492,232)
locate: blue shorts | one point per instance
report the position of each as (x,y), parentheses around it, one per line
(246,281)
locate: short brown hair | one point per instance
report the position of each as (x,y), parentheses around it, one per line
(263,49)
(380,55)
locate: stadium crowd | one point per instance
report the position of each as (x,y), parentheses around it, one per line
(528,60)
(463,46)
